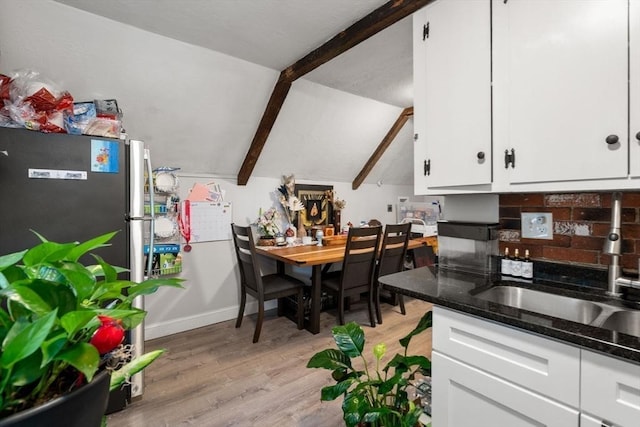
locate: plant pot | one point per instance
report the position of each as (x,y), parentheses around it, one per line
(266,241)
(83,407)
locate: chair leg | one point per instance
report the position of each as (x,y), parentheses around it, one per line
(370,305)
(401,302)
(340,308)
(300,309)
(243,301)
(256,334)
(376,300)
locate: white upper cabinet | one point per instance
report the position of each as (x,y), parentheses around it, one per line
(452,83)
(634,85)
(419,99)
(560,87)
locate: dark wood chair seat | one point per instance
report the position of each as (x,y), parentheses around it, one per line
(263,288)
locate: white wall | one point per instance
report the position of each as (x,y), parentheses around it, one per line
(198,110)
(211,291)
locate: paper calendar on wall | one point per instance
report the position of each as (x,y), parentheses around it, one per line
(210,221)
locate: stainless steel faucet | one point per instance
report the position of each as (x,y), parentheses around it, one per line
(613,247)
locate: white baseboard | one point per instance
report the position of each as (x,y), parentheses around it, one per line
(174,326)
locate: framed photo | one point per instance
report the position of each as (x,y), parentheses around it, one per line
(317,209)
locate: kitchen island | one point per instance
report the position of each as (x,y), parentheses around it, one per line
(510,366)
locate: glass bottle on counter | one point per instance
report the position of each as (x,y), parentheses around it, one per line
(516,265)
(527,266)
(505,263)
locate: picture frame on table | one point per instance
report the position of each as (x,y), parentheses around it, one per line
(317,209)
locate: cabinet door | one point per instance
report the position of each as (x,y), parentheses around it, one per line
(587,421)
(464,396)
(634,85)
(419,99)
(456,100)
(610,389)
(560,73)
(545,366)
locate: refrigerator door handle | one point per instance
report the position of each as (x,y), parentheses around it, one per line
(139,163)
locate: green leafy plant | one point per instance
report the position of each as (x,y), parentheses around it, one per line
(377,396)
(61,322)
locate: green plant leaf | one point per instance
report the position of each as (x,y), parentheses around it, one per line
(58,295)
(11,275)
(52,346)
(334,391)
(82,356)
(27,298)
(136,365)
(73,321)
(47,252)
(85,247)
(354,406)
(423,324)
(105,291)
(81,279)
(349,339)
(27,370)
(24,338)
(11,259)
(109,272)
(330,359)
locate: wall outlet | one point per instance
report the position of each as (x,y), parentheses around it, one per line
(389,208)
(537,225)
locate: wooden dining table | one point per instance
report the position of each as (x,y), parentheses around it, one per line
(315,257)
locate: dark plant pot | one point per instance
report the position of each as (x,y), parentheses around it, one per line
(83,407)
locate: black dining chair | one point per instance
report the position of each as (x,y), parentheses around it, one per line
(391,260)
(263,288)
(356,276)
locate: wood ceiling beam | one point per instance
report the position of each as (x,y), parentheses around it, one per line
(382,147)
(381,18)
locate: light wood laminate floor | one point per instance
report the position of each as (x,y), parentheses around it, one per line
(215,376)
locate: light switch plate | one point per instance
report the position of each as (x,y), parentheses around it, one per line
(537,225)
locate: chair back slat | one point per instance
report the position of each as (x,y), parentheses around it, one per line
(394,248)
(360,257)
(247,259)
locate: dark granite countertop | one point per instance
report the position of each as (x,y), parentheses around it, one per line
(456,290)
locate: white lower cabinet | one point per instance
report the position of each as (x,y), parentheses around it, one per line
(487,374)
(465,396)
(610,390)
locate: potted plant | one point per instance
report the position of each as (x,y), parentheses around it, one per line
(61,328)
(374,397)
(267,224)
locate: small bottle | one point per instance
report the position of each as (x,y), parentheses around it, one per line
(527,266)
(516,265)
(505,263)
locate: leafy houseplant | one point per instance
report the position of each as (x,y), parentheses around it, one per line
(62,322)
(378,397)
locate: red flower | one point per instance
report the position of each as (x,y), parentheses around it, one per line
(108,336)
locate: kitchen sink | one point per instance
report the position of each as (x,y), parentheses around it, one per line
(627,322)
(606,316)
(573,309)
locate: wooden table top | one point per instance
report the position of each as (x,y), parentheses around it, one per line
(315,255)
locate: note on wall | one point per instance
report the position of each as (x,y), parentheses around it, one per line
(210,221)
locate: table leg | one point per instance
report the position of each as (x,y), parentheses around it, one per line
(316,297)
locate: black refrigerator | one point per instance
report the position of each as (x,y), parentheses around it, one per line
(73,188)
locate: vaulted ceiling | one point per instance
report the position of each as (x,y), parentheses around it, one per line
(277,33)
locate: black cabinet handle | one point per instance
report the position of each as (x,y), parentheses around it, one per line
(427,167)
(612,139)
(638,136)
(480,155)
(510,158)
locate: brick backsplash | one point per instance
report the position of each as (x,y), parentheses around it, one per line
(581,222)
